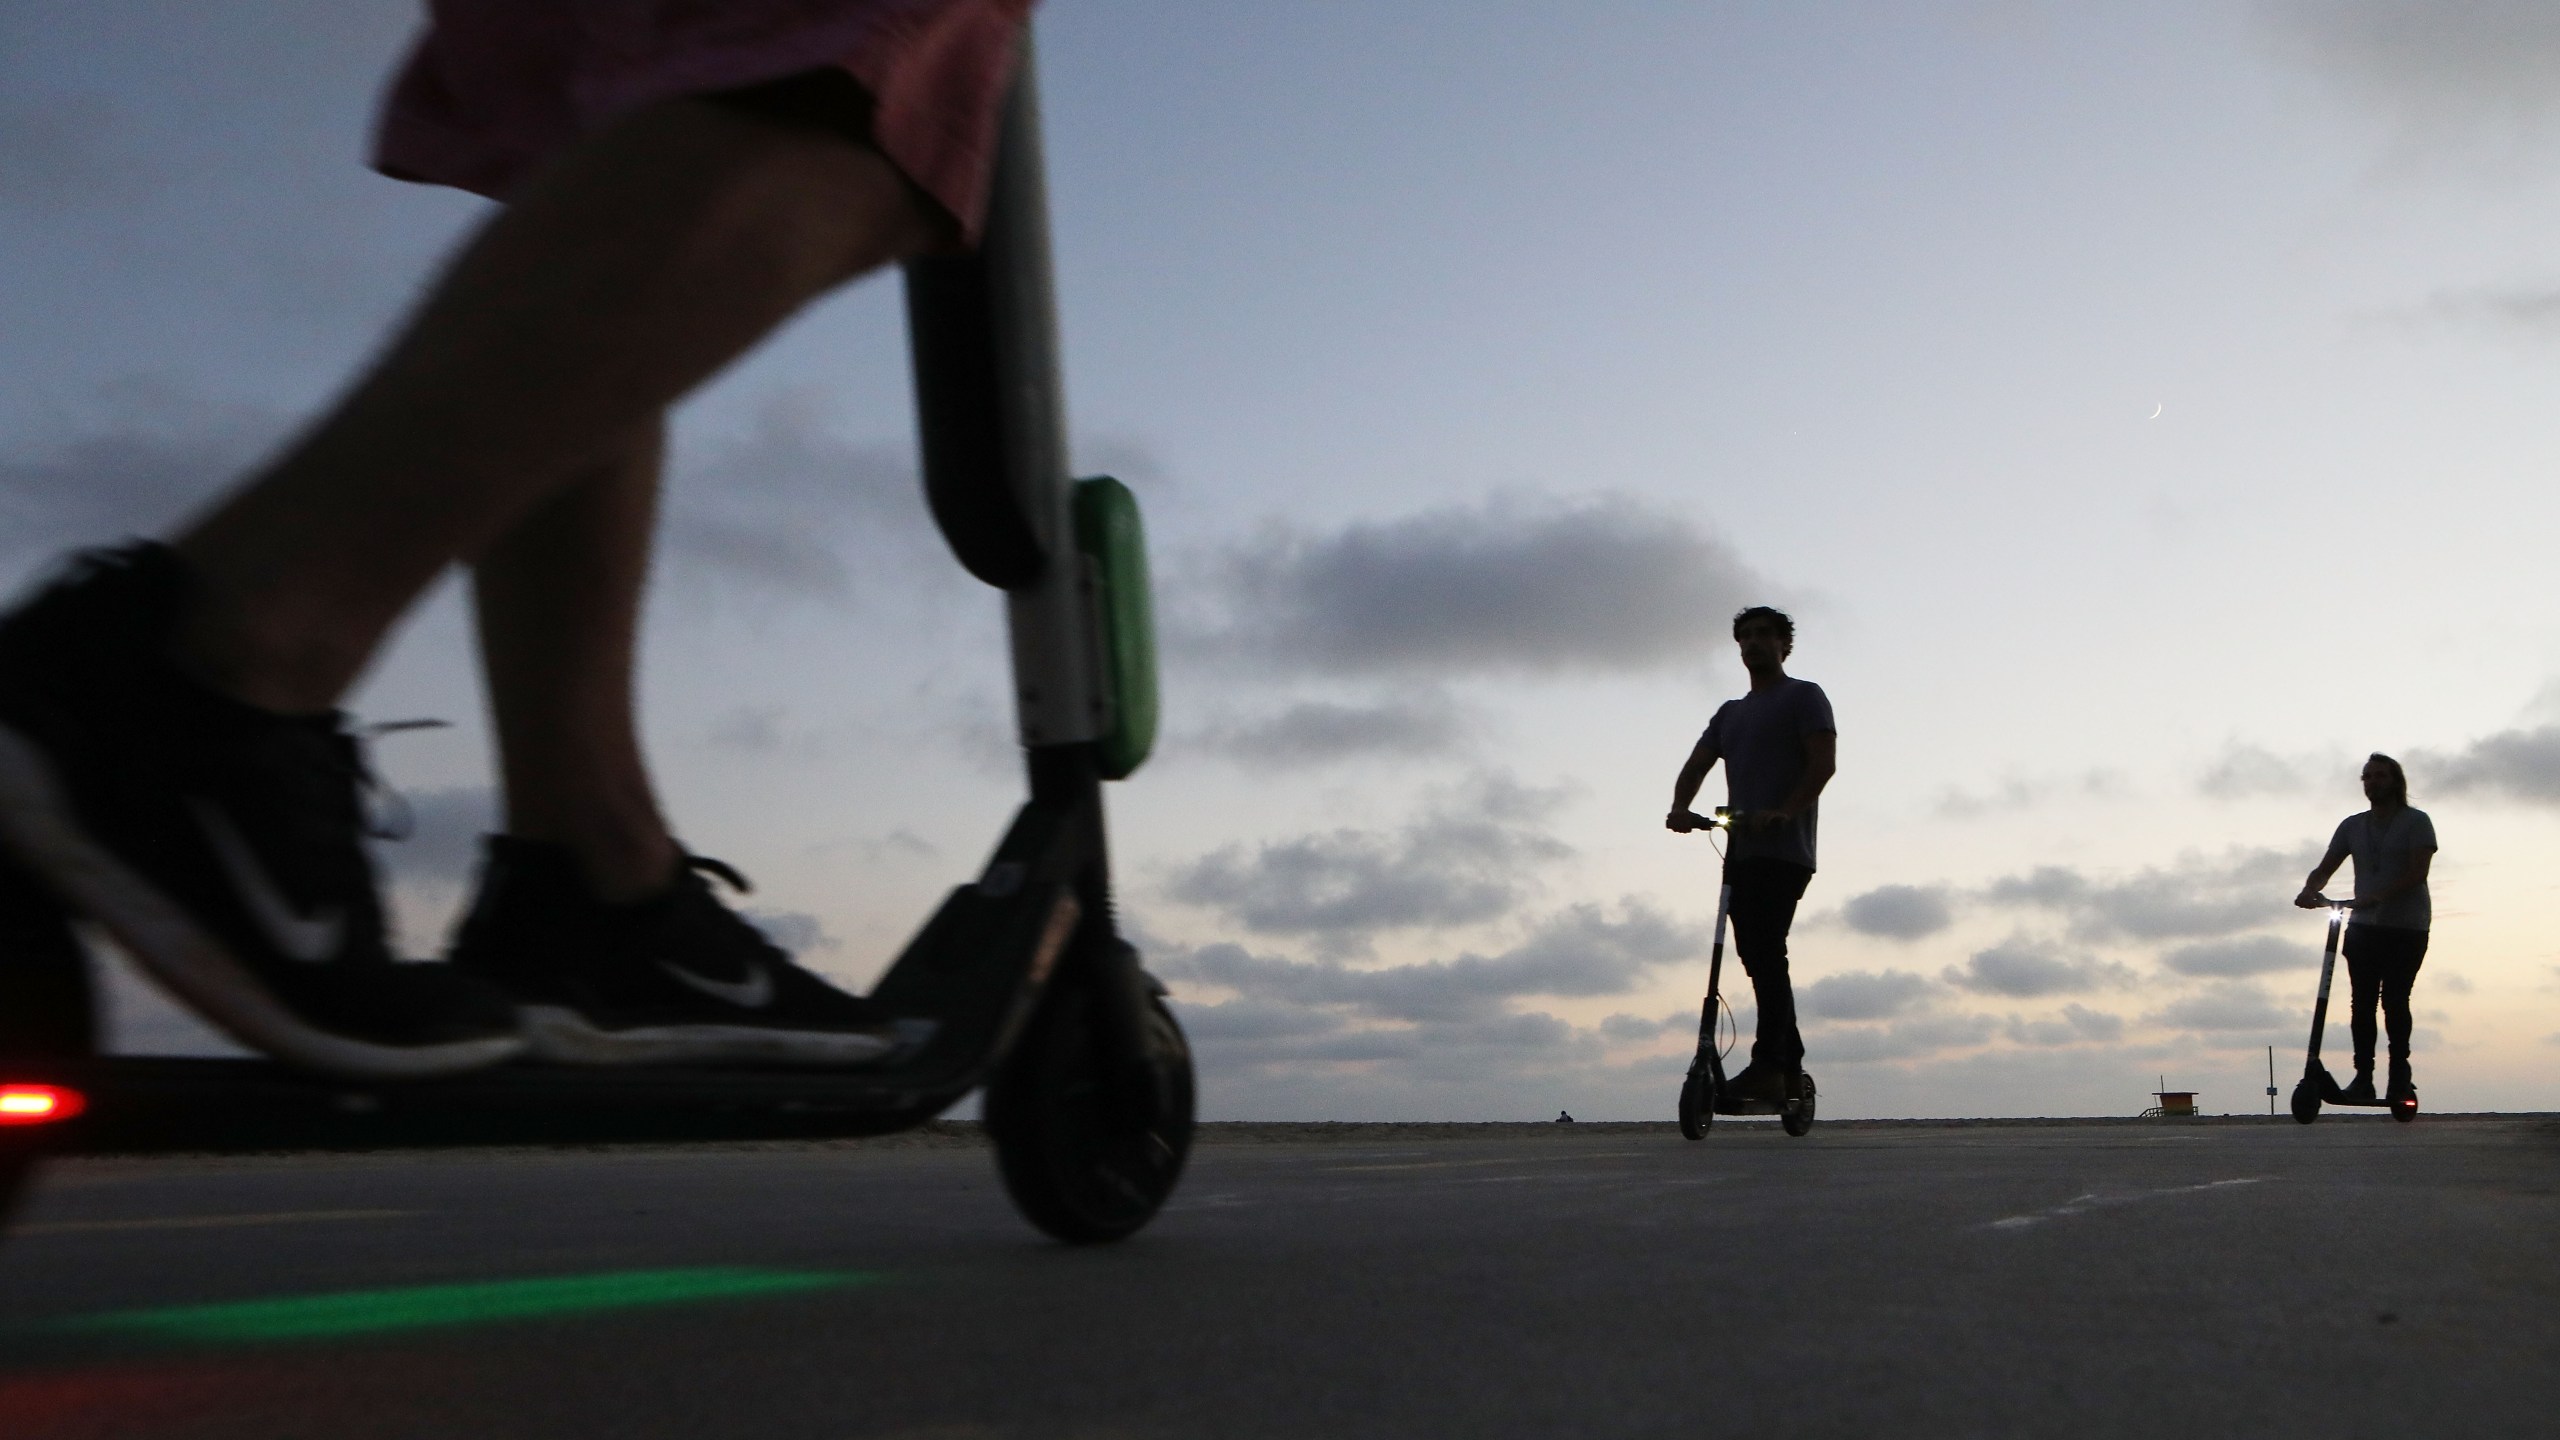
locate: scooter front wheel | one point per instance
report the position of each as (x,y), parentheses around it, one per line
(2306,1102)
(1083,1160)
(1697,1105)
(1798,1118)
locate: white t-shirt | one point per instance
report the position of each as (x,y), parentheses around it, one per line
(2383,852)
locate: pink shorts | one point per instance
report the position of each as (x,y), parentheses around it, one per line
(497,87)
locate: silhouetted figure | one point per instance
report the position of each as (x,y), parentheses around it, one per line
(1779,748)
(1564,1118)
(2386,942)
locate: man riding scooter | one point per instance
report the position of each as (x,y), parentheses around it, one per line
(1779,748)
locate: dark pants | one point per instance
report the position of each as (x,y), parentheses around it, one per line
(2382,964)
(1765,893)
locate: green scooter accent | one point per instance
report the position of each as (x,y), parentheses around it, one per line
(1112,537)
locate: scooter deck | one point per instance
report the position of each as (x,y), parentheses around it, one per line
(1750,1107)
(2331,1093)
(152,1103)
(978,969)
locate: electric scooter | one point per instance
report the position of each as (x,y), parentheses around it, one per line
(2317,1087)
(1020,983)
(1704,1095)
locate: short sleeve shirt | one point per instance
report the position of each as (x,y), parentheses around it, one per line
(2383,853)
(1760,738)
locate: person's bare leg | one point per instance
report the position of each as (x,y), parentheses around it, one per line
(640,264)
(559,600)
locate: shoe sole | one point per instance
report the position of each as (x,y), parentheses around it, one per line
(563,1036)
(39,830)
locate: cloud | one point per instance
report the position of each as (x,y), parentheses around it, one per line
(900,844)
(2243,771)
(2200,896)
(1318,732)
(786,510)
(1637,1028)
(137,1019)
(1899,912)
(1508,586)
(1580,952)
(2021,793)
(767,732)
(1902,1040)
(749,730)
(2529,312)
(2223,1006)
(2077,1025)
(2236,959)
(1469,859)
(2025,969)
(442,847)
(790,511)
(62,148)
(1254,1019)
(148,455)
(2522,764)
(796,931)
(2449,77)
(1863,994)
(2512,765)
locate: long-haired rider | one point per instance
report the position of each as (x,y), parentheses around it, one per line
(2387,921)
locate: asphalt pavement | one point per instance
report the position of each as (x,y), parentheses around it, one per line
(2352,1278)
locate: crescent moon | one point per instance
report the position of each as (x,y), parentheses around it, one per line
(2155,412)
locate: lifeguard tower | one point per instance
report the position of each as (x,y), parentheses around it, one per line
(2174,1104)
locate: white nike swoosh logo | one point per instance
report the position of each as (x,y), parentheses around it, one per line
(753,993)
(311,939)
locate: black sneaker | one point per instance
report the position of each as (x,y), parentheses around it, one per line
(2359,1091)
(674,979)
(1754,1084)
(219,843)
(2404,1086)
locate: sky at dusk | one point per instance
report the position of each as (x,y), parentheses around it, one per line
(2145,412)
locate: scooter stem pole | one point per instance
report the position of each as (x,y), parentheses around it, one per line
(1715,975)
(2328,967)
(992,423)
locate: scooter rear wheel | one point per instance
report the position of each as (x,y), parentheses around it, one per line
(1077,1161)
(47,1013)
(1798,1118)
(2306,1102)
(1697,1105)
(2405,1111)
(17,1163)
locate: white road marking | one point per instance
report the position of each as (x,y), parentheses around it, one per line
(2083,1204)
(210,1222)
(1465,1164)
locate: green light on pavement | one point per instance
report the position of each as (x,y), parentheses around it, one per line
(420,1307)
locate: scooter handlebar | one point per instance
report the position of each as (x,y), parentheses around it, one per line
(1724,818)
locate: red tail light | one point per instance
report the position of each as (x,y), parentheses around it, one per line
(39,1104)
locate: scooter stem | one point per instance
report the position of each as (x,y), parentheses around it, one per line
(1715,978)
(2328,967)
